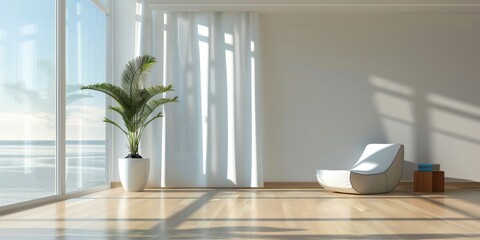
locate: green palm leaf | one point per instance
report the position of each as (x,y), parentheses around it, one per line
(107,120)
(159,115)
(154,104)
(134,71)
(136,103)
(111,90)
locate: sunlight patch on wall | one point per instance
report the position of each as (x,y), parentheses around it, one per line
(455,136)
(453,104)
(394,107)
(400,132)
(455,124)
(393,103)
(392,86)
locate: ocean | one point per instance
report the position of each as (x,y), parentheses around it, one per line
(27,168)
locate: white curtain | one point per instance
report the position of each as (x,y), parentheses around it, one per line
(211,137)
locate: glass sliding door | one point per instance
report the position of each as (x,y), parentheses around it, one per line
(29,90)
(27,108)
(86,64)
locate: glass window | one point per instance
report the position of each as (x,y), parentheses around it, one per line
(86,64)
(104,2)
(27,109)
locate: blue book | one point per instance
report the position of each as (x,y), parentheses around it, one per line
(428,165)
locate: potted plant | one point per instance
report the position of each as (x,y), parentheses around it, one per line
(136,106)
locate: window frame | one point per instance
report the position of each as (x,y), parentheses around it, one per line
(60,109)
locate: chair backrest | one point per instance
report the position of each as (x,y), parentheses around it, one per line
(376,158)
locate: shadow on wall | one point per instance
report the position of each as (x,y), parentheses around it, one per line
(408,169)
(372,78)
(447,130)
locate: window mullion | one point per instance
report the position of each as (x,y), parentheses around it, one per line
(100,5)
(60,101)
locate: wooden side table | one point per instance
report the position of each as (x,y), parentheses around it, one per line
(429,181)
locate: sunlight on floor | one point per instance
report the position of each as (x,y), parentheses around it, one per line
(249,213)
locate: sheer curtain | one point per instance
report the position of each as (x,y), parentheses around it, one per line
(210,138)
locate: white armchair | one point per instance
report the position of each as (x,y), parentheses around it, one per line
(378,170)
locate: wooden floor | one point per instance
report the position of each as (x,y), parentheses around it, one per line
(251,214)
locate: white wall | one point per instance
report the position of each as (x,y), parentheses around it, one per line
(336,82)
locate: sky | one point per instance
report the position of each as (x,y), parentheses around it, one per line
(27,69)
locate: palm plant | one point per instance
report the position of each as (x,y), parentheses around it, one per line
(136,104)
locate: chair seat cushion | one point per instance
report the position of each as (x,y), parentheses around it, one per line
(335,180)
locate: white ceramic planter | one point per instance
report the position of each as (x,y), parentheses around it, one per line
(134,173)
